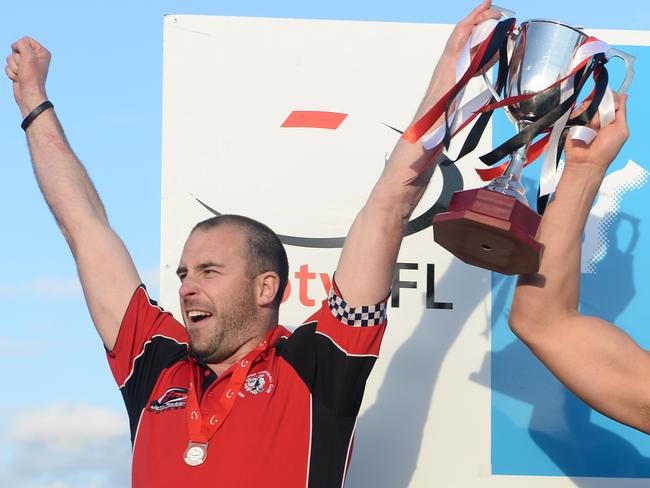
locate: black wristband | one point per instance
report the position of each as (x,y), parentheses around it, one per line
(35,113)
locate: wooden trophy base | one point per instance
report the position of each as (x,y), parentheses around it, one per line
(490,230)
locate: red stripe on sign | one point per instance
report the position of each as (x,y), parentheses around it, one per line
(314,119)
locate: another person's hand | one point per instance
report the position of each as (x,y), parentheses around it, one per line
(27,67)
(603,149)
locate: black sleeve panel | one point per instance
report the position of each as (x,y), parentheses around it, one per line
(336,379)
(158,355)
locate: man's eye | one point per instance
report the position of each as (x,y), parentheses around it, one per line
(181,277)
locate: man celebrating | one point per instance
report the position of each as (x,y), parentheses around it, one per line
(202,398)
(593,358)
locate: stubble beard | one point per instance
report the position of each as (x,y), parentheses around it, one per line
(231,327)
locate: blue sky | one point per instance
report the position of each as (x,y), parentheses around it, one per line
(105,81)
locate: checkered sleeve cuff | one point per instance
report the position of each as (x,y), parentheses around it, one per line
(363,316)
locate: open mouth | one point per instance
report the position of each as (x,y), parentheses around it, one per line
(196,316)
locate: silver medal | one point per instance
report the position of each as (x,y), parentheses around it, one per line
(195,453)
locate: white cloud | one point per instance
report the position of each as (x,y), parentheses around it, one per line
(66,445)
(10,347)
(48,286)
(65,426)
(64,288)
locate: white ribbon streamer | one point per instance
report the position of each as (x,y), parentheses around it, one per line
(459,116)
(549,174)
(548,177)
(583,133)
(588,50)
(607,108)
(431,140)
(607,112)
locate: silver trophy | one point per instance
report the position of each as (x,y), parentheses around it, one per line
(494,227)
(542,55)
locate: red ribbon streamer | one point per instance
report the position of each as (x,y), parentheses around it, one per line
(419,128)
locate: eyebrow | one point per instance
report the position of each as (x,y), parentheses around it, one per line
(200,267)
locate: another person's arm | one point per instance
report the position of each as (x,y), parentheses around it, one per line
(107,273)
(595,359)
(367,262)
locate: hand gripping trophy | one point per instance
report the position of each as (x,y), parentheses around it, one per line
(550,62)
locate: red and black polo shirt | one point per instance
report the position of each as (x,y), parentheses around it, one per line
(293,420)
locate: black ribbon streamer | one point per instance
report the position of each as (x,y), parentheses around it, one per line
(476,132)
(601,80)
(495,45)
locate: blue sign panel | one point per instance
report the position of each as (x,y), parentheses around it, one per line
(538,426)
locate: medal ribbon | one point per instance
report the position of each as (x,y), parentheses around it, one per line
(202,429)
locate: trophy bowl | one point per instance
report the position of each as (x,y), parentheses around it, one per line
(542,55)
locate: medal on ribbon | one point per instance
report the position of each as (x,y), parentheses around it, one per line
(202,428)
(195,453)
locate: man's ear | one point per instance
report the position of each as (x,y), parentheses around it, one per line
(267,286)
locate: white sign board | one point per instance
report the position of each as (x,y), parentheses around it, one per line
(289,122)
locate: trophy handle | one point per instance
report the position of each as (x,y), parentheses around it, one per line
(490,87)
(496,96)
(628,59)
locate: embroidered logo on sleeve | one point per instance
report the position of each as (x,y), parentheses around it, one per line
(358,316)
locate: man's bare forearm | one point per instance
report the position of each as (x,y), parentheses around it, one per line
(63,180)
(555,289)
(107,273)
(375,237)
(365,269)
(595,359)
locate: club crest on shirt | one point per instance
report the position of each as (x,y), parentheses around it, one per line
(260,382)
(175,397)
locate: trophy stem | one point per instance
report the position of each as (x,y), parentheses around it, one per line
(493,227)
(509,183)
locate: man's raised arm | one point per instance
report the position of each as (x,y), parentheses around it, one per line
(367,262)
(593,358)
(107,273)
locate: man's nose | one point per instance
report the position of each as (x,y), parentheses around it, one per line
(188,287)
